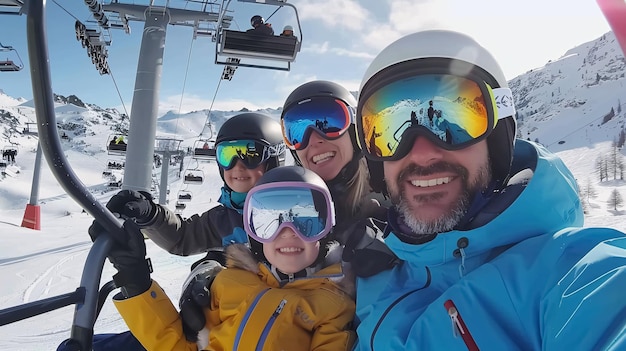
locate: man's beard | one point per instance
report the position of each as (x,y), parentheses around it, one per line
(449,220)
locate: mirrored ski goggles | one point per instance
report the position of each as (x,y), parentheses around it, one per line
(251,153)
(329,117)
(305,208)
(451,111)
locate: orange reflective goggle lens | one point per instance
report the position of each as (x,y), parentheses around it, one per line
(452,111)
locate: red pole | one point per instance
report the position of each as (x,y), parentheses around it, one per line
(32,217)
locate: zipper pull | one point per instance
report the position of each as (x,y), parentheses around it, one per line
(280,307)
(292,277)
(459,327)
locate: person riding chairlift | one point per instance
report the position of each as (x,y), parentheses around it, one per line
(259,26)
(287,31)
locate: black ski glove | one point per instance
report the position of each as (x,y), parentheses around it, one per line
(365,248)
(133,268)
(196,297)
(133,204)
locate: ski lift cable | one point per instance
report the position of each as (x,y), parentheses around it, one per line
(576,130)
(64,9)
(208,115)
(118,91)
(182,94)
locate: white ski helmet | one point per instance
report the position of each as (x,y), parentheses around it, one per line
(454,53)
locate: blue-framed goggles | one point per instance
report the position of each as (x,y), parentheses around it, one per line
(327,116)
(452,111)
(252,153)
(305,208)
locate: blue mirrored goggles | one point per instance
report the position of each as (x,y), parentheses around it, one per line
(304,208)
(327,116)
(250,152)
(452,111)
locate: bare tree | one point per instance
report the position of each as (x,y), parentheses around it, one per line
(588,191)
(614,155)
(615,199)
(600,168)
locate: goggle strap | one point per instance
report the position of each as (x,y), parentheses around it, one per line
(504,102)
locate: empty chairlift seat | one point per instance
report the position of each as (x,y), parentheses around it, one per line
(254,45)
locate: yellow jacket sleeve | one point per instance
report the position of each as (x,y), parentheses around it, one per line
(154,321)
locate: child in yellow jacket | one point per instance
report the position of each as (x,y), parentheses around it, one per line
(284,291)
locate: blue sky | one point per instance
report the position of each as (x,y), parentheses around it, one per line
(340,38)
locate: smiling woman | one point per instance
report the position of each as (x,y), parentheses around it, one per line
(318,127)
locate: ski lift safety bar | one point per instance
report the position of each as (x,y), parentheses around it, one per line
(87,295)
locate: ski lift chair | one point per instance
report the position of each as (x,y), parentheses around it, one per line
(9,65)
(115,147)
(180,206)
(280,50)
(115,184)
(204,149)
(193,176)
(30,129)
(184,196)
(258,50)
(115,164)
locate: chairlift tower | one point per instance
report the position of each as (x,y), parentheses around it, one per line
(143,115)
(166,147)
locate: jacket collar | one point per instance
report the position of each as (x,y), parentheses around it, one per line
(232,199)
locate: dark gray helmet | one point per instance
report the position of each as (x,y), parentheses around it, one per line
(258,127)
(256,19)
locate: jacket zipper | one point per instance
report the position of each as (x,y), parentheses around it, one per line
(270,323)
(246,317)
(459,327)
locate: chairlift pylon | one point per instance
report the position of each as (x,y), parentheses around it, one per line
(257,50)
(9,65)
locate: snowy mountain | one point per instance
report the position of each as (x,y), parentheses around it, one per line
(563,103)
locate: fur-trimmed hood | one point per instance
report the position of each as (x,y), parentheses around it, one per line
(332,268)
